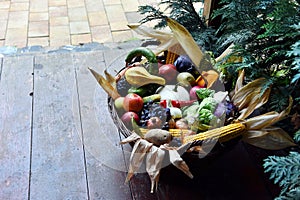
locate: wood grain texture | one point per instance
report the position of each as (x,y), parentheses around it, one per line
(15,126)
(58,165)
(106,171)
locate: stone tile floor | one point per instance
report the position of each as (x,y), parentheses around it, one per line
(54,23)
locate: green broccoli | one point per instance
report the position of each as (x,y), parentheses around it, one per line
(208,103)
(206,116)
(203,93)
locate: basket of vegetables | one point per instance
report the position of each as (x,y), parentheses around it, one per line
(170,101)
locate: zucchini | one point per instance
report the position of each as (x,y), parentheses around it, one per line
(141,51)
(148,54)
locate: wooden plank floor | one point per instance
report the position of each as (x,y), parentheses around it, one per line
(57,140)
(53,141)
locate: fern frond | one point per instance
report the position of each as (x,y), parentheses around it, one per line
(295,52)
(297,136)
(284,171)
(278,100)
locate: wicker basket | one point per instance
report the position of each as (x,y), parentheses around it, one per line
(218,147)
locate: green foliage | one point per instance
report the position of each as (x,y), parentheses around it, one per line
(297,136)
(295,52)
(184,12)
(208,103)
(279,99)
(264,32)
(203,93)
(206,116)
(285,172)
(240,23)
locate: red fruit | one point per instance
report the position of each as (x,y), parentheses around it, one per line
(160,64)
(193,90)
(168,72)
(154,122)
(133,102)
(126,118)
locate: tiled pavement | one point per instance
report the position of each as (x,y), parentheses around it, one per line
(53,23)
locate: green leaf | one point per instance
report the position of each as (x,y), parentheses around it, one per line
(284,170)
(297,136)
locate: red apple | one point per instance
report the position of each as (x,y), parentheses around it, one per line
(168,72)
(126,118)
(133,102)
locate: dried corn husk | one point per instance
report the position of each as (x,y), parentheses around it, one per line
(111,79)
(166,39)
(109,84)
(186,41)
(154,161)
(155,157)
(225,53)
(262,134)
(139,151)
(250,97)
(271,138)
(179,35)
(239,81)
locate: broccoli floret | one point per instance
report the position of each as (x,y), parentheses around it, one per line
(203,93)
(208,103)
(206,116)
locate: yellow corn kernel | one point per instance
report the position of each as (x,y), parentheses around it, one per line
(174,132)
(171,55)
(223,134)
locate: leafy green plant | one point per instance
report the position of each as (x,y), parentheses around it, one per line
(295,52)
(184,12)
(263,32)
(285,172)
(297,136)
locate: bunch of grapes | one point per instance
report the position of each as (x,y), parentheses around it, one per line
(123,86)
(152,109)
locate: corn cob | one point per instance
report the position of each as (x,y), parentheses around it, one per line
(174,132)
(223,134)
(171,55)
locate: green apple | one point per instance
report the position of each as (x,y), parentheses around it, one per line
(186,79)
(119,104)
